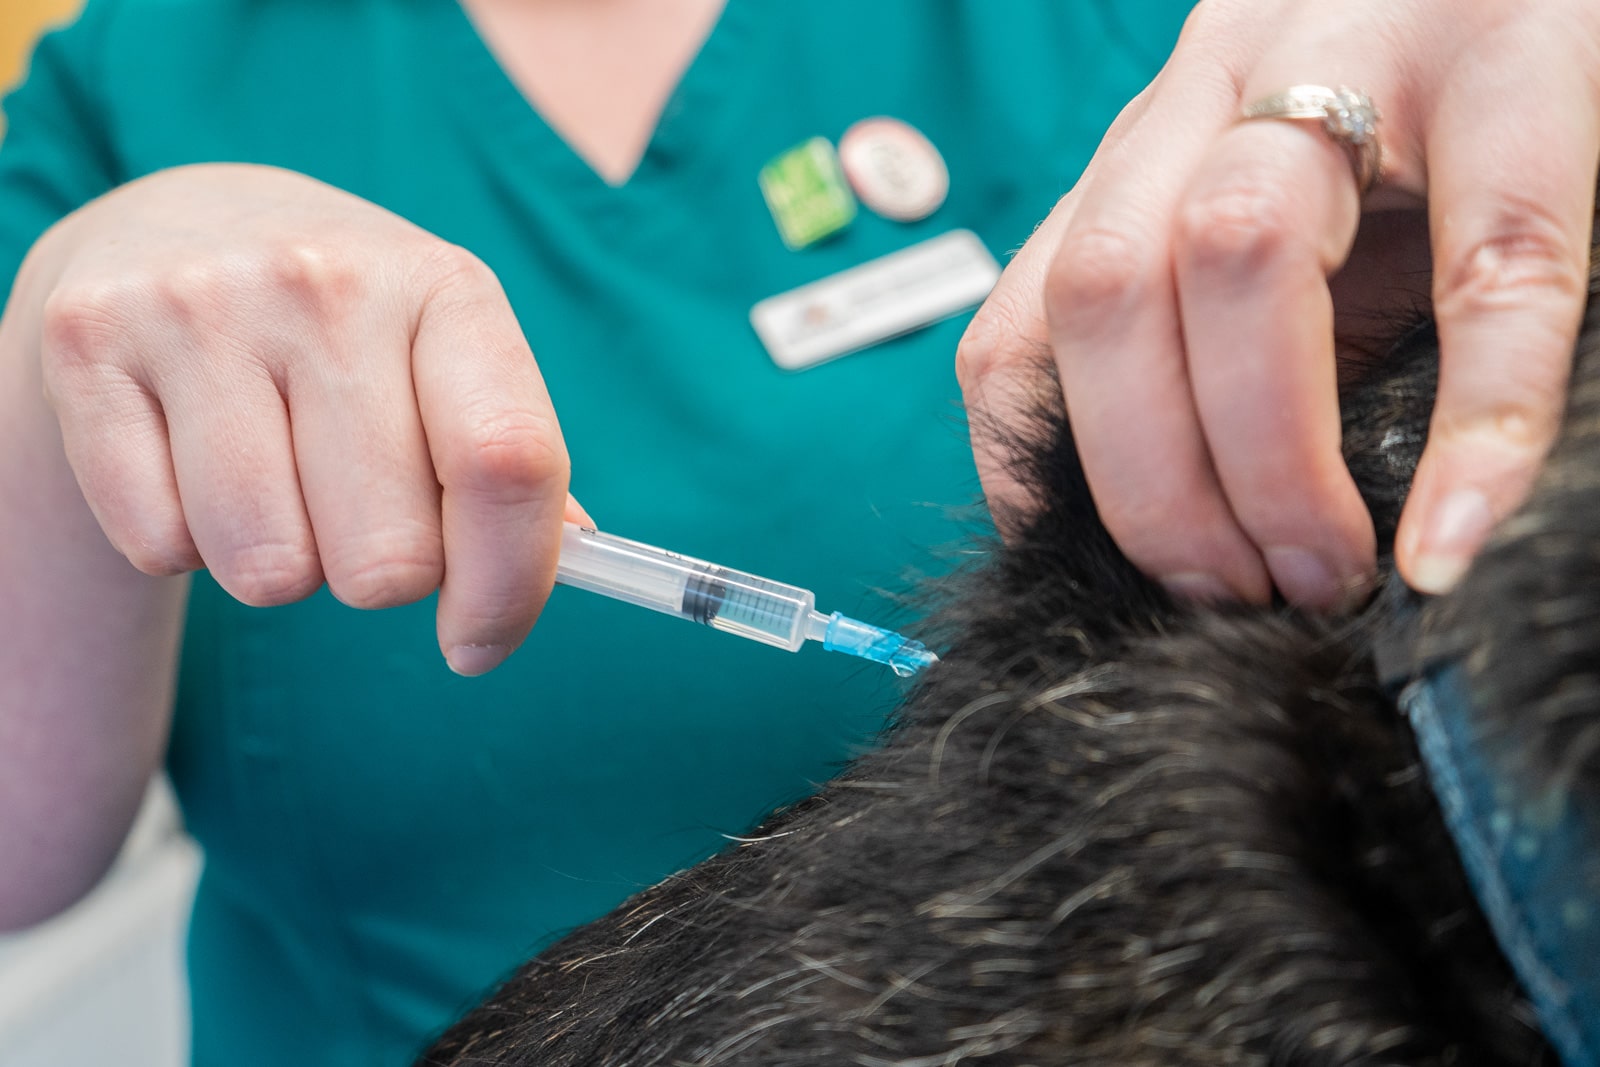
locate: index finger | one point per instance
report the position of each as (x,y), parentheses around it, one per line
(501,463)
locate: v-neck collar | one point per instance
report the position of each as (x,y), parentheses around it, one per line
(691,124)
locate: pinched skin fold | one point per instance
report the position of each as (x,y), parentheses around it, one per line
(1110,829)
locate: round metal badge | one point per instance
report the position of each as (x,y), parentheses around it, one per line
(894,169)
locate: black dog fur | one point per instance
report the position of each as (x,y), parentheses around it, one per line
(1111,829)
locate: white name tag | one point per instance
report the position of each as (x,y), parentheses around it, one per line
(890,296)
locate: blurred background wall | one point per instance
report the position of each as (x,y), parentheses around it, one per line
(103,983)
(20,23)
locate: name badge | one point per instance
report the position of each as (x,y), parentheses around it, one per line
(889,296)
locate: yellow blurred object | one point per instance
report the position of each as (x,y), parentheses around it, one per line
(21,22)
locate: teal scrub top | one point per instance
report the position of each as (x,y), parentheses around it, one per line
(384,839)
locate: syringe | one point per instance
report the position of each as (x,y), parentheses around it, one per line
(743,604)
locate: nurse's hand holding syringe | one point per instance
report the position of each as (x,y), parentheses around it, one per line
(242,369)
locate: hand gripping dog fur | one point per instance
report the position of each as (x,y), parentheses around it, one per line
(1111,829)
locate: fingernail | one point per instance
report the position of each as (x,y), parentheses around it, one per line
(1458,528)
(575,512)
(1197,586)
(469,661)
(1304,577)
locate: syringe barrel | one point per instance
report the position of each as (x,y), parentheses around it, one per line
(689,588)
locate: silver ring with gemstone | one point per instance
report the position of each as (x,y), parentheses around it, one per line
(1346,115)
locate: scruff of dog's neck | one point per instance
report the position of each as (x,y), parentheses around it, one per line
(1111,829)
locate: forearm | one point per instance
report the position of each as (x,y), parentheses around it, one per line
(87,649)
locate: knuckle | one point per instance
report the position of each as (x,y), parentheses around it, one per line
(1201,20)
(1530,253)
(268,575)
(1216,30)
(1199,25)
(1001,338)
(1130,115)
(199,292)
(509,454)
(1519,426)
(974,359)
(324,279)
(387,579)
(1236,227)
(1242,226)
(79,325)
(495,613)
(1098,271)
(451,268)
